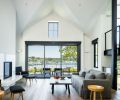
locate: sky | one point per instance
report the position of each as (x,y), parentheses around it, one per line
(38,51)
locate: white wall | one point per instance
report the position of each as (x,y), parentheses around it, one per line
(87,53)
(103,24)
(7,33)
(39,32)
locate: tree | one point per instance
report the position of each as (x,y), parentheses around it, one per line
(69,52)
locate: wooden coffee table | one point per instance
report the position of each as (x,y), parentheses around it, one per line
(94,89)
(65,82)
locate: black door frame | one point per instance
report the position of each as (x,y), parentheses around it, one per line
(54,43)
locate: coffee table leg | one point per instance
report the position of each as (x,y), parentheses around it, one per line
(66,86)
(68,89)
(52,88)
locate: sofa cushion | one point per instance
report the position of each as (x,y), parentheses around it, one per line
(100,76)
(89,76)
(82,73)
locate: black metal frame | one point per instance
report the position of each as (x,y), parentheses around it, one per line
(10,69)
(119,41)
(114,44)
(54,43)
(95,43)
(106,38)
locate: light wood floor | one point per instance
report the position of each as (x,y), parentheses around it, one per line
(41,90)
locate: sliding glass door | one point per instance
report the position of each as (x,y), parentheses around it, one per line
(69,59)
(45,60)
(35,59)
(52,58)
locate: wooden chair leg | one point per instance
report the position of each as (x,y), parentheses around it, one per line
(0,97)
(12,96)
(22,95)
(100,96)
(94,96)
(91,95)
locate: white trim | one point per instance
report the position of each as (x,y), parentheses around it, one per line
(53,21)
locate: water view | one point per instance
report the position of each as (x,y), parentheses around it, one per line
(52,57)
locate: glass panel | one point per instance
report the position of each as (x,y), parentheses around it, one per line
(35,58)
(118,2)
(118,38)
(56,26)
(118,22)
(117,29)
(50,26)
(53,29)
(69,59)
(52,58)
(55,34)
(118,11)
(51,33)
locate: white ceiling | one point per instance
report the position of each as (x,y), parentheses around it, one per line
(81,12)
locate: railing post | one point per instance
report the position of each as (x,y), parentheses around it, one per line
(105,42)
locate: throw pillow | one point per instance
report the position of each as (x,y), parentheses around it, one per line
(82,73)
(89,76)
(100,76)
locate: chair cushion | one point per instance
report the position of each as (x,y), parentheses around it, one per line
(30,76)
(89,76)
(16,89)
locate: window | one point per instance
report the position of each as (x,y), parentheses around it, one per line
(118,22)
(53,29)
(95,44)
(52,55)
(118,12)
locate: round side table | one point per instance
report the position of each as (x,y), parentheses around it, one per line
(94,89)
(1,94)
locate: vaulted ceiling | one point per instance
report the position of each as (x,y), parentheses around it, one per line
(81,12)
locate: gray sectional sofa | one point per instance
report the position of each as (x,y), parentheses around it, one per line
(81,80)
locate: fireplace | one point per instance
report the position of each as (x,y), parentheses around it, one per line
(7,69)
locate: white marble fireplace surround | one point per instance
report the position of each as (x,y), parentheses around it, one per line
(6,58)
(6,83)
